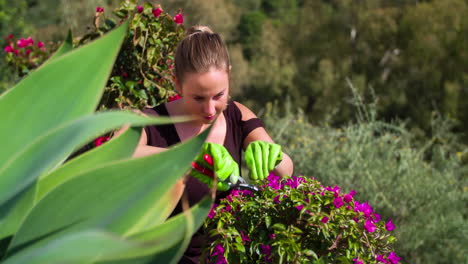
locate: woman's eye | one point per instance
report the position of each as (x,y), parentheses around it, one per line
(216,97)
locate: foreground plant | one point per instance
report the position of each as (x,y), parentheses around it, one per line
(103,206)
(297,220)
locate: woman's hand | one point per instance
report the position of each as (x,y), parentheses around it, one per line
(261,158)
(215,160)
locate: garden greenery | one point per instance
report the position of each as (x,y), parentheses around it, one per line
(297,220)
(102,207)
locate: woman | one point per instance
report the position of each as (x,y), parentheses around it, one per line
(202,71)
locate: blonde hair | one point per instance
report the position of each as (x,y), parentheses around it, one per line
(200,50)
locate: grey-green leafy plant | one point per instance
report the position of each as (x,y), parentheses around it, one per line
(103,206)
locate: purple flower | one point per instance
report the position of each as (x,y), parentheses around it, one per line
(218,250)
(352,193)
(389,225)
(380,258)
(228,208)
(245,237)
(212,212)
(357,261)
(324,220)
(394,259)
(221,260)
(277,199)
(364,208)
(338,202)
(140,9)
(369,226)
(348,198)
(266,249)
(299,207)
(272,236)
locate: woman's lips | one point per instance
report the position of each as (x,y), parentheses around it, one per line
(210,118)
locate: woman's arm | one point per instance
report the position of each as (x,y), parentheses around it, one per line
(285,167)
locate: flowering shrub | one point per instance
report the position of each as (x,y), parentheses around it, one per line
(143,73)
(296,220)
(23,55)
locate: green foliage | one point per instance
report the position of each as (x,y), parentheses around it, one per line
(102,207)
(420,183)
(296,220)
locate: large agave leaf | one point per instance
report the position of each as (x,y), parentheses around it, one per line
(116,149)
(96,244)
(66,46)
(49,150)
(113,197)
(59,91)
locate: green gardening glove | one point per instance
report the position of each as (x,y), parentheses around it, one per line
(215,160)
(261,158)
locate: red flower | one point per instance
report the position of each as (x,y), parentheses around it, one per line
(22,43)
(40,44)
(179,18)
(10,36)
(8,49)
(98,141)
(30,41)
(173,98)
(140,9)
(156,12)
(99,9)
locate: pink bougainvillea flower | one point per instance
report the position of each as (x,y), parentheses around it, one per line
(22,43)
(352,193)
(8,49)
(348,198)
(300,207)
(272,236)
(179,18)
(375,218)
(338,202)
(173,98)
(40,44)
(324,220)
(276,199)
(369,226)
(212,212)
(245,237)
(99,9)
(100,140)
(139,9)
(30,41)
(357,261)
(393,258)
(157,12)
(389,225)
(381,259)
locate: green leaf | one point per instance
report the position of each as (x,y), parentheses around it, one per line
(115,197)
(66,46)
(48,151)
(73,95)
(99,245)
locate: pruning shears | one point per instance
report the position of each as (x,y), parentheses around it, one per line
(239,185)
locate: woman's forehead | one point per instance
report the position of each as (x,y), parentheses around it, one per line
(213,81)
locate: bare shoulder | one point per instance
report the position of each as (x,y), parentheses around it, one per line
(245,111)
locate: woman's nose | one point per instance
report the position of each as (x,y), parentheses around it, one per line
(209,107)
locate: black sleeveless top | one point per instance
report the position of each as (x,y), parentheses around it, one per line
(166,135)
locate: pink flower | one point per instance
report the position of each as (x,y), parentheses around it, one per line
(369,226)
(40,44)
(389,225)
(139,9)
(179,18)
(324,220)
(338,202)
(100,140)
(15,52)
(272,236)
(357,261)
(245,237)
(28,51)
(380,258)
(157,12)
(375,218)
(212,212)
(299,207)
(352,193)
(8,49)
(124,74)
(99,9)
(30,41)
(173,98)
(276,199)
(348,198)
(394,259)
(22,43)
(10,36)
